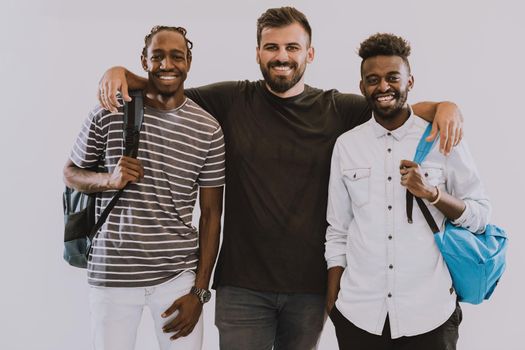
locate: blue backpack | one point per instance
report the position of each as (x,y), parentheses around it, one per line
(476,262)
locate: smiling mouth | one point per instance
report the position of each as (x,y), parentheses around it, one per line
(385,98)
(167,77)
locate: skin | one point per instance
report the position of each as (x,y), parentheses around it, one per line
(287,48)
(386,76)
(276,45)
(166,56)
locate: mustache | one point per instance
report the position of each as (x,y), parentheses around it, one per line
(389,91)
(174,71)
(281,64)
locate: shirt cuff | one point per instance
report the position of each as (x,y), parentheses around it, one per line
(336,261)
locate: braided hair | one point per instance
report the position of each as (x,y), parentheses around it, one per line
(156,29)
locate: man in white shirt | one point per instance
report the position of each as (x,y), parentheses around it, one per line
(387,279)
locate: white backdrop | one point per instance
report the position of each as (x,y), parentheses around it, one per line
(54,52)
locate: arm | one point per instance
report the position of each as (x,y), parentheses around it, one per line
(117,79)
(465,202)
(83,180)
(445,117)
(412,178)
(189,305)
(339,216)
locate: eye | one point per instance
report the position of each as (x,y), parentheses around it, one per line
(393,78)
(155,58)
(292,48)
(372,80)
(270,47)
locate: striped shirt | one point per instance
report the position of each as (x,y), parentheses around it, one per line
(148,237)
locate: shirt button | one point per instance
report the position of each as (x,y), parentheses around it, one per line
(389,207)
(389,236)
(389,150)
(390,266)
(390,295)
(388,133)
(390,178)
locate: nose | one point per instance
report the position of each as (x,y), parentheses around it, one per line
(383,85)
(282,55)
(167,63)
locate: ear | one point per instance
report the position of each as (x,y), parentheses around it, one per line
(144,63)
(410,82)
(189,59)
(310,54)
(362,87)
(257,59)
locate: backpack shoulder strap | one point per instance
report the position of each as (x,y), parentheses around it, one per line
(133,117)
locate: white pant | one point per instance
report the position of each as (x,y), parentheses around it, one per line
(116,314)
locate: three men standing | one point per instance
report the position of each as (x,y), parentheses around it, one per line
(271,275)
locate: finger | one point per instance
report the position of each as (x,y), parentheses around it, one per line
(124,91)
(175,325)
(405,163)
(182,333)
(443,138)
(111,91)
(459,136)
(451,138)
(433,132)
(174,307)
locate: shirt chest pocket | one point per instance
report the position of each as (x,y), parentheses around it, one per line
(433,175)
(357,182)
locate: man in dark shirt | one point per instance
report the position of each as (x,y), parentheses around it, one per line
(279,134)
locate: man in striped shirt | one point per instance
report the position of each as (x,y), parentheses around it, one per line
(148,252)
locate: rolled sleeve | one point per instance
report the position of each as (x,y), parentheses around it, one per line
(465,184)
(339,215)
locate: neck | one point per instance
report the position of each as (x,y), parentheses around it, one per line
(393,122)
(155,99)
(295,90)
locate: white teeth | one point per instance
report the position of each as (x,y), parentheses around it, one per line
(282,68)
(166,77)
(385,98)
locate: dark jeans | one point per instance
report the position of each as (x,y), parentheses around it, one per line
(350,337)
(251,320)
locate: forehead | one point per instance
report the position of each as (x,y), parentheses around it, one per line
(384,65)
(292,33)
(167,40)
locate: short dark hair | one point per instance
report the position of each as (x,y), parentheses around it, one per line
(280,17)
(156,29)
(385,44)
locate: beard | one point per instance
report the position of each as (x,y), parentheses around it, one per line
(400,98)
(279,83)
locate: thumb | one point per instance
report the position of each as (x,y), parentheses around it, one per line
(174,307)
(433,133)
(125,93)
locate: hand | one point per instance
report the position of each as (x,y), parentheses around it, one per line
(189,310)
(449,121)
(413,179)
(113,80)
(127,170)
(330,302)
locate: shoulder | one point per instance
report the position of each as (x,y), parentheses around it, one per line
(356,134)
(200,115)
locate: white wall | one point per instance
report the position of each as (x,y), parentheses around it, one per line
(54,52)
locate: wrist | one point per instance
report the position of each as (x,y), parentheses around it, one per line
(431,193)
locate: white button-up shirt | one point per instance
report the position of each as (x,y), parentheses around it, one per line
(393,267)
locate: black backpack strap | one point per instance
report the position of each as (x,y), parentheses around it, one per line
(133,117)
(424,210)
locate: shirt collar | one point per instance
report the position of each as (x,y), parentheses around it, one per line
(399,133)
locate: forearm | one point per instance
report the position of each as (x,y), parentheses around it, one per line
(209,235)
(85,180)
(334,283)
(447,204)
(135,82)
(428,110)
